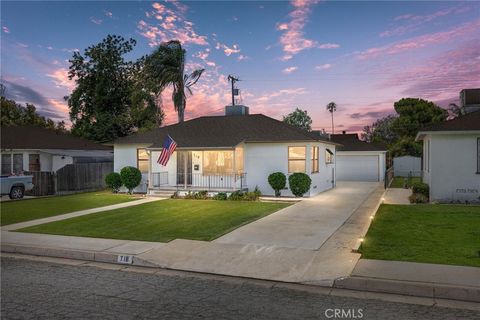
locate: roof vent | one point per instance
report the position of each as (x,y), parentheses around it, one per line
(236,110)
(344,132)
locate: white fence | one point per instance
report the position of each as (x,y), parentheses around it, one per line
(407,165)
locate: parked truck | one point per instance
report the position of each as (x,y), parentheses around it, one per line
(15,186)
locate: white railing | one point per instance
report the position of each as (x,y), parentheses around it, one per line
(234,181)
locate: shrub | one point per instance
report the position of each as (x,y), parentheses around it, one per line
(236,195)
(189,195)
(250,196)
(220,196)
(113,181)
(257,192)
(418,198)
(277,181)
(299,183)
(421,188)
(201,195)
(131,178)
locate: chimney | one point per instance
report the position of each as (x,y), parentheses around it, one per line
(236,110)
(469,100)
(344,132)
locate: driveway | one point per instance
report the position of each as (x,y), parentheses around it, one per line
(307,224)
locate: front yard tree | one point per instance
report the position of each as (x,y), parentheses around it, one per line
(277,181)
(332,107)
(106,102)
(299,118)
(166,67)
(131,178)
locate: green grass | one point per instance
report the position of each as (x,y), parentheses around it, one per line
(31,209)
(444,234)
(163,220)
(398,181)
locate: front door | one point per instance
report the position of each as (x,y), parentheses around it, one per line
(184,168)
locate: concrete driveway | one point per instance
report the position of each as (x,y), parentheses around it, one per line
(307,224)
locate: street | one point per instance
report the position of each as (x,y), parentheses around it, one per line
(45,290)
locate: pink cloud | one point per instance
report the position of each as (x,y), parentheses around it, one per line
(109,14)
(323,66)
(5,29)
(422,41)
(235,48)
(293,38)
(96,21)
(60,78)
(203,55)
(169,25)
(289,70)
(413,22)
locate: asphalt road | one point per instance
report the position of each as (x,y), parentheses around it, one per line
(42,290)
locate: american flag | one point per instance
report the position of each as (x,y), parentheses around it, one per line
(169,146)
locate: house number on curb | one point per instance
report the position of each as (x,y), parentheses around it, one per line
(125,259)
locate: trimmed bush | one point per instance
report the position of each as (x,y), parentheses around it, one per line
(131,178)
(220,196)
(201,195)
(277,181)
(421,188)
(236,195)
(418,198)
(299,183)
(113,181)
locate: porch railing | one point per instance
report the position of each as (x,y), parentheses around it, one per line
(199,181)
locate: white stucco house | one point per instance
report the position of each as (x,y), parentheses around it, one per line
(227,153)
(33,149)
(451,159)
(358,160)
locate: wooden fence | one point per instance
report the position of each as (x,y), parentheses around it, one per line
(71,178)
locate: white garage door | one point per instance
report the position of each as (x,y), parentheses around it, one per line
(357,168)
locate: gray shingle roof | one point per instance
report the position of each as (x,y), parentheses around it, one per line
(350,142)
(467,122)
(222,131)
(32,137)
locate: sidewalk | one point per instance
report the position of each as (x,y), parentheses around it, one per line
(412,278)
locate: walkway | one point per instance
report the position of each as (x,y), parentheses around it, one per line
(397,196)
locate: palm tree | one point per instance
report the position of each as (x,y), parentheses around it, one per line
(166,66)
(332,107)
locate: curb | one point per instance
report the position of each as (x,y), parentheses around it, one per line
(410,288)
(96,256)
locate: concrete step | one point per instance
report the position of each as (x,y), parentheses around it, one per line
(161,193)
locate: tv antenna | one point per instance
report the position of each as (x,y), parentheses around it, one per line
(233,79)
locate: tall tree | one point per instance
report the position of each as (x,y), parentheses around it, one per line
(15,114)
(299,118)
(166,67)
(107,99)
(332,107)
(381,131)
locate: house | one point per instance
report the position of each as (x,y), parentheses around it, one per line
(31,148)
(358,160)
(227,153)
(451,158)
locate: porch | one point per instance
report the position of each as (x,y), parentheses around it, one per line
(218,170)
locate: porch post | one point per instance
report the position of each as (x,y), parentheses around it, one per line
(150,175)
(185,162)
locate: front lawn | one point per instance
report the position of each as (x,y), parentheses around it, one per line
(163,220)
(31,209)
(399,181)
(444,234)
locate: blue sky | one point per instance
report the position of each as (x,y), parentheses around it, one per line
(362,55)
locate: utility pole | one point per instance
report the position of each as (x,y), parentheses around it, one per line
(233,80)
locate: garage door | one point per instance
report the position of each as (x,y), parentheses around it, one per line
(357,168)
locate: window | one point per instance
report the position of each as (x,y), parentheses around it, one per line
(478,155)
(296,159)
(239,160)
(18,163)
(142,160)
(314,159)
(328,156)
(33,162)
(6,163)
(218,162)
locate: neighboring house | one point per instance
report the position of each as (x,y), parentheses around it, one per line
(405,166)
(227,153)
(451,159)
(358,160)
(30,148)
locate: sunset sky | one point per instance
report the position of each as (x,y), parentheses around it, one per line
(362,55)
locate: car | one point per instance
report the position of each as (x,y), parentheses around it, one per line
(15,186)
